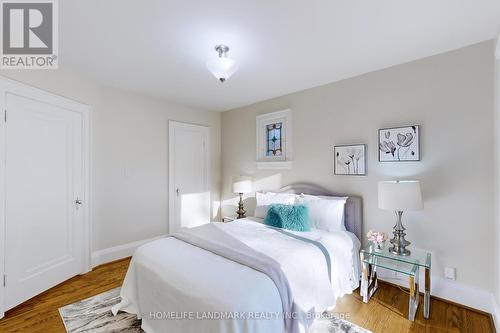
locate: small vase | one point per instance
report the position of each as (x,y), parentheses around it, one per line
(378,247)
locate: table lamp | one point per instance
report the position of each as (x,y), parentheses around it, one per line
(399,196)
(240,186)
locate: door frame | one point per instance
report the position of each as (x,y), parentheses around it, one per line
(17,88)
(172,126)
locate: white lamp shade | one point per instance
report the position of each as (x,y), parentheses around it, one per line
(401,195)
(242,185)
(222,68)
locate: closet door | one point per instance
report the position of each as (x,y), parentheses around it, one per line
(43,214)
(189,161)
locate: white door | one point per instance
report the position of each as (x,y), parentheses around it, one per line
(189,185)
(44,178)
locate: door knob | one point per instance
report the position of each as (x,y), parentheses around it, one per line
(177,191)
(78,203)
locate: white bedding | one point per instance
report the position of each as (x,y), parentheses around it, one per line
(174,286)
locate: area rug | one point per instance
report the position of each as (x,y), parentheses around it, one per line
(93,315)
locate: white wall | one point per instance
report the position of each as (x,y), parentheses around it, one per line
(451,97)
(129,155)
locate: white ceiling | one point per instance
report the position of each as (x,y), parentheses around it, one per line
(159,47)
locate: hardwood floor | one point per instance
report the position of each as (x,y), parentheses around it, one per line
(40,314)
(386,311)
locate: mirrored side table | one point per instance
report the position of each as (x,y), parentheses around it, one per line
(407,265)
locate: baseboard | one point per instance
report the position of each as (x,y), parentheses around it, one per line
(118,252)
(495,313)
(453,291)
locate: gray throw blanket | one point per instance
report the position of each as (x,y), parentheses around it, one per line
(299,268)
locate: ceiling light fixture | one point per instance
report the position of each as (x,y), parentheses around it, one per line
(222,67)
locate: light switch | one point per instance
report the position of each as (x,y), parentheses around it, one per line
(450,273)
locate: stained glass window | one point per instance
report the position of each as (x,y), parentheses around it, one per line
(274,139)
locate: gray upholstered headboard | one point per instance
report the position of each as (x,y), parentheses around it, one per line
(353,218)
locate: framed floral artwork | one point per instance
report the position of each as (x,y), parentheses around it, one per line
(349,160)
(399,144)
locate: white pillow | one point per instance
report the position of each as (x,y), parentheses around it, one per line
(266,199)
(326,213)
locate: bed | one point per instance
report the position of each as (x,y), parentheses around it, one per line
(213,280)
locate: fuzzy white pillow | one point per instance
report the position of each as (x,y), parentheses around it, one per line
(264,200)
(326,213)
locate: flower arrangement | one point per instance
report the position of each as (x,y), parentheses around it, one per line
(377,238)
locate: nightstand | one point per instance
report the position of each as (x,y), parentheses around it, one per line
(407,265)
(228,219)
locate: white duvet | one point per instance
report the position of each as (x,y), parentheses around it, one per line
(177,287)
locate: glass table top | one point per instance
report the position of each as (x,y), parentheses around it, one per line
(393,265)
(417,257)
